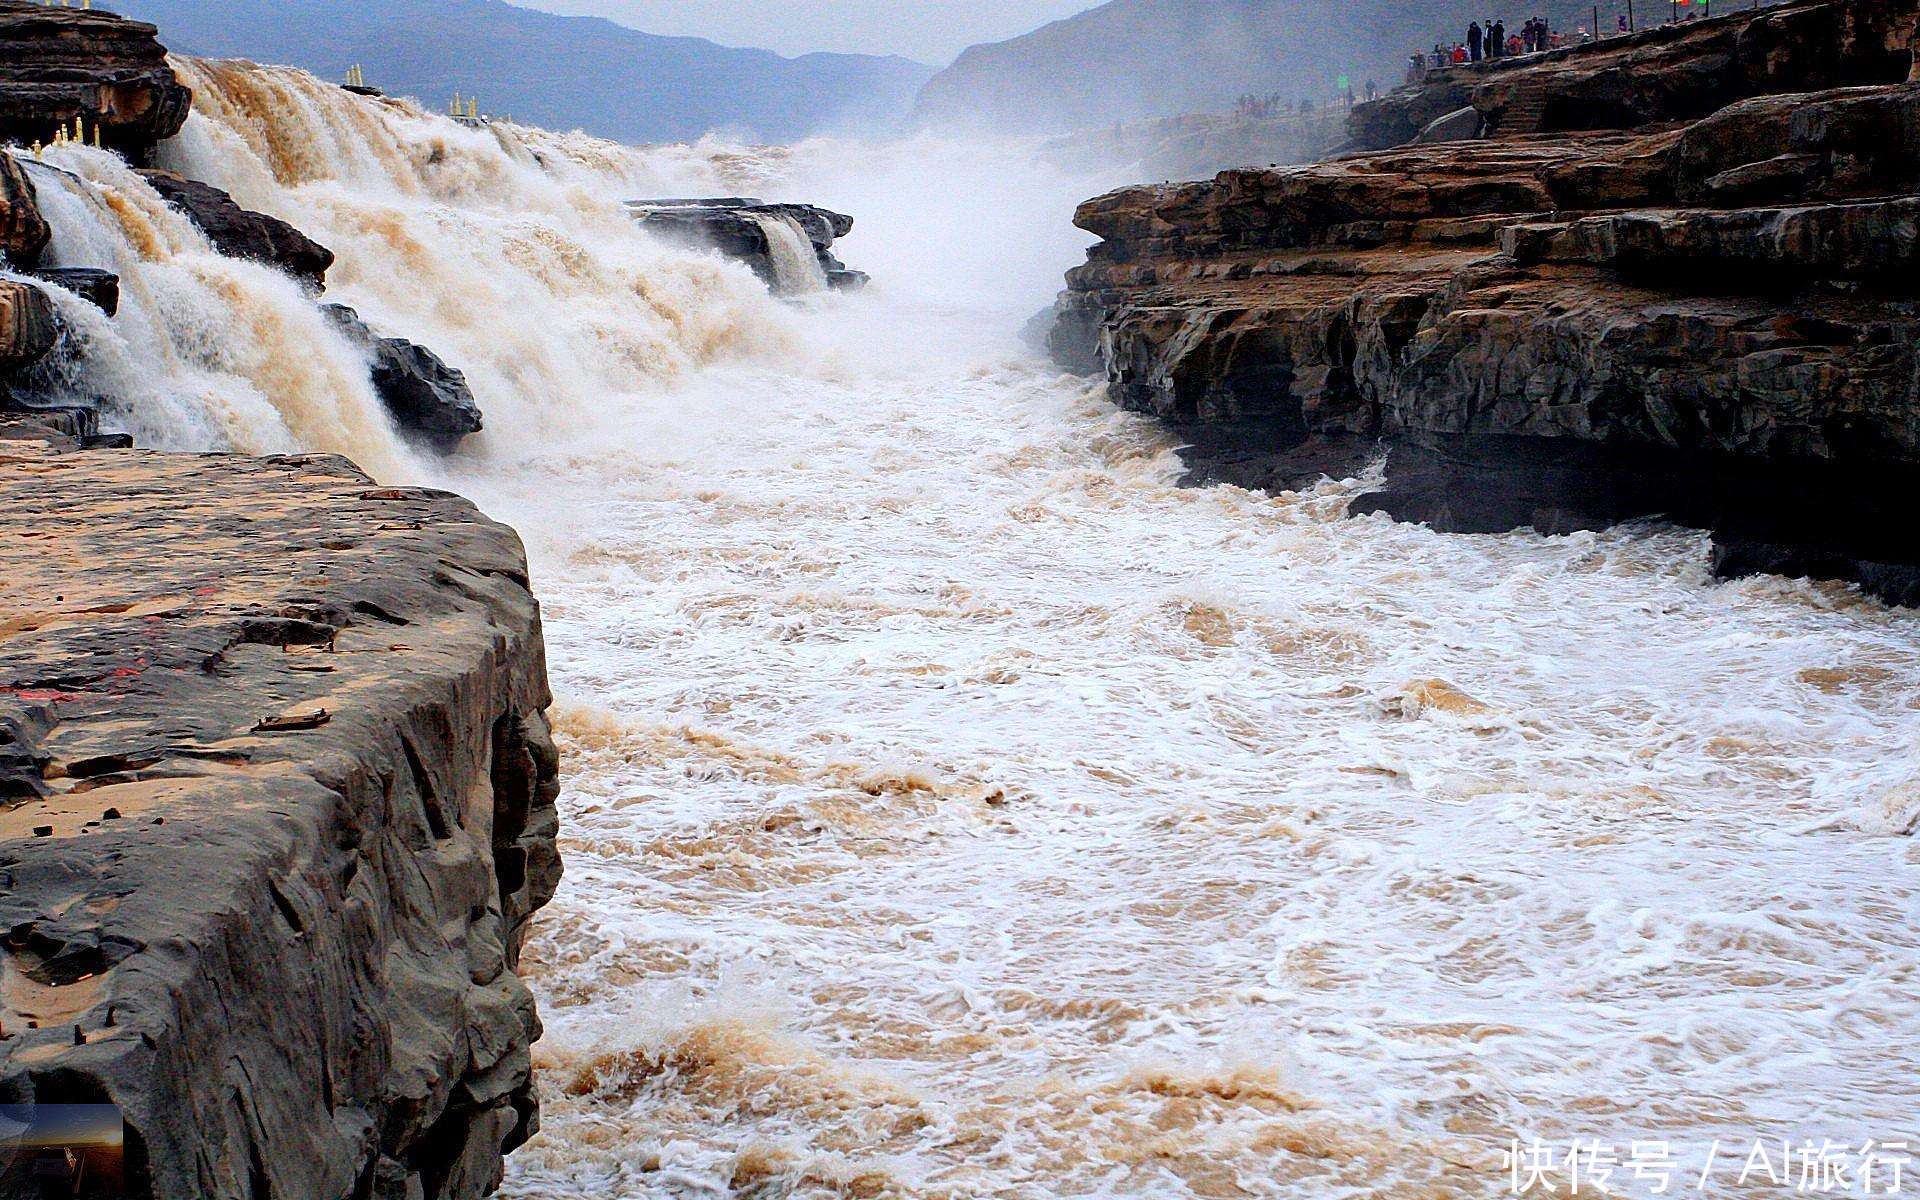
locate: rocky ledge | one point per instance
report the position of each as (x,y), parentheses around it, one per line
(1713,320)
(742,229)
(61,65)
(275,811)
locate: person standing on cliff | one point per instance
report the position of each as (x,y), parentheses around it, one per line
(1499,39)
(1476,41)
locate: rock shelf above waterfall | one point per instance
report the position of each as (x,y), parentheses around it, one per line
(770,238)
(61,65)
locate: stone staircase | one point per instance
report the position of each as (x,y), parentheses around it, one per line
(1524,114)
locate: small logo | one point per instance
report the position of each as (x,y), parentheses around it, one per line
(62,1152)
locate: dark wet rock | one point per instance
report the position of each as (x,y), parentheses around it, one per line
(98,288)
(23,231)
(62,64)
(426,397)
(734,225)
(1558,333)
(288,957)
(241,233)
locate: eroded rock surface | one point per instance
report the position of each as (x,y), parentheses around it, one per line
(23,231)
(275,810)
(242,233)
(1715,321)
(737,227)
(62,64)
(28,327)
(1662,75)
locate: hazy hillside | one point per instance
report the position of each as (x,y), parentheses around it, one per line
(1130,60)
(562,72)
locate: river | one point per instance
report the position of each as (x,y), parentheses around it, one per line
(957,808)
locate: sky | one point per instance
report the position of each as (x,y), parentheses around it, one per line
(932,31)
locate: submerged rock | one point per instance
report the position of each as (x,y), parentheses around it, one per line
(1561,333)
(98,288)
(62,64)
(275,817)
(760,235)
(241,233)
(426,397)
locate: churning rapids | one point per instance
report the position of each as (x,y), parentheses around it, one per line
(959,809)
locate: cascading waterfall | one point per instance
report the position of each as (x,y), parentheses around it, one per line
(795,263)
(207,352)
(503,249)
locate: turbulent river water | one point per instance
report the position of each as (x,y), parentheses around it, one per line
(957,808)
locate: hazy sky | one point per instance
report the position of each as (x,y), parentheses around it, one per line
(930,30)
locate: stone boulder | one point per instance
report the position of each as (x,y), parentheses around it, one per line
(278,808)
(23,231)
(98,288)
(29,326)
(241,233)
(62,64)
(736,226)
(427,398)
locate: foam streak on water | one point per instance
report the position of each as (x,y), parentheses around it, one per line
(955,808)
(959,809)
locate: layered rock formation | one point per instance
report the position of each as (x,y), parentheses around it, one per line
(745,229)
(1715,321)
(275,811)
(1666,74)
(59,65)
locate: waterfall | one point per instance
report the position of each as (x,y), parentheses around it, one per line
(796,265)
(207,352)
(502,248)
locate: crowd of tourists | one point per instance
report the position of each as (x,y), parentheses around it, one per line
(1495,39)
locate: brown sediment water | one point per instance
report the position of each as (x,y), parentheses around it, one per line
(958,808)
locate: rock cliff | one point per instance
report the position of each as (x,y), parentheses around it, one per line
(275,810)
(59,65)
(1712,319)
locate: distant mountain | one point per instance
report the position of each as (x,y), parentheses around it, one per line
(1134,60)
(556,71)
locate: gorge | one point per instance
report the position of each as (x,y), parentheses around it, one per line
(954,801)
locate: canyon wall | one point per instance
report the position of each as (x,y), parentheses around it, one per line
(1602,314)
(277,791)
(276,805)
